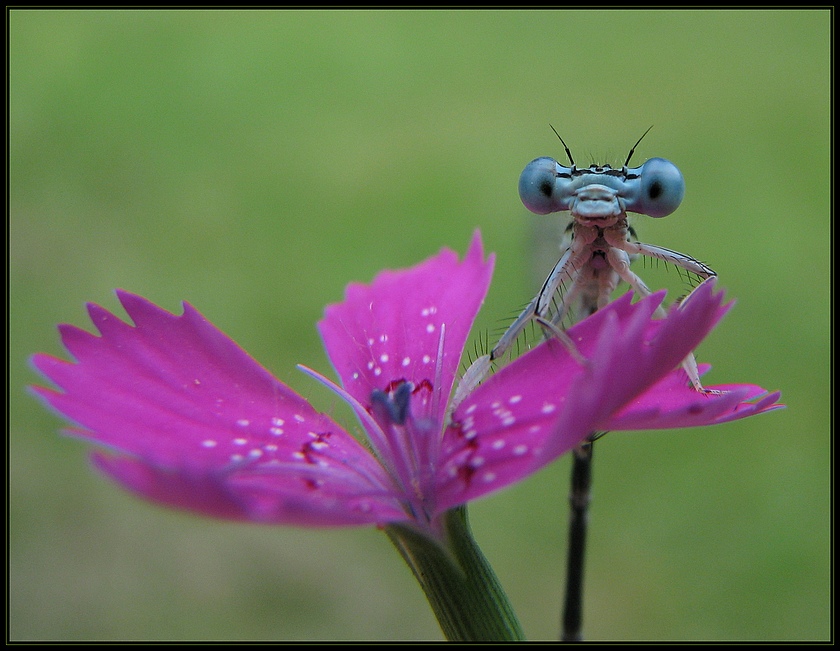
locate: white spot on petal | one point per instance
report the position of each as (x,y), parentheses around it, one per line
(255,454)
(277,421)
(547,408)
(514,399)
(487,477)
(276,431)
(243,422)
(519,450)
(240,441)
(426,359)
(471,408)
(383,358)
(406,361)
(430,327)
(377,371)
(209,443)
(299,418)
(498,445)
(510,420)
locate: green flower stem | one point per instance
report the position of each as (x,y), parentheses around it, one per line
(459,583)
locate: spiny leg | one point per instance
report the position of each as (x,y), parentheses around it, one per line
(620,261)
(567,268)
(617,240)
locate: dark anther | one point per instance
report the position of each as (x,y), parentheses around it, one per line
(394,407)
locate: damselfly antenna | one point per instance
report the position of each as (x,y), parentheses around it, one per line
(633,148)
(568,153)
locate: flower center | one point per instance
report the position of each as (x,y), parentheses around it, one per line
(412,441)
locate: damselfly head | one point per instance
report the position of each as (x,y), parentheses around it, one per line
(655,188)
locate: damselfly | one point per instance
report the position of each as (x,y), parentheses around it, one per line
(599,241)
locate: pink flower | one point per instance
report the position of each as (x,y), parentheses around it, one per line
(191,421)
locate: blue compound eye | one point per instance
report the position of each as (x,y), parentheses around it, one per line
(661,190)
(541,189)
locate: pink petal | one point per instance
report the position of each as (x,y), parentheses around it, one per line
(499,432)
(391,329)
(649,349)
(197,414)
(672,402)
(544,403)
(247,496)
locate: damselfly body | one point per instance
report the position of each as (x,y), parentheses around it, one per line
(599,246)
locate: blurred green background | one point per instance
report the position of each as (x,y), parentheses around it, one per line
(253,163)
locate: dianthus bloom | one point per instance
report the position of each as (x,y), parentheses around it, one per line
(189,420)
